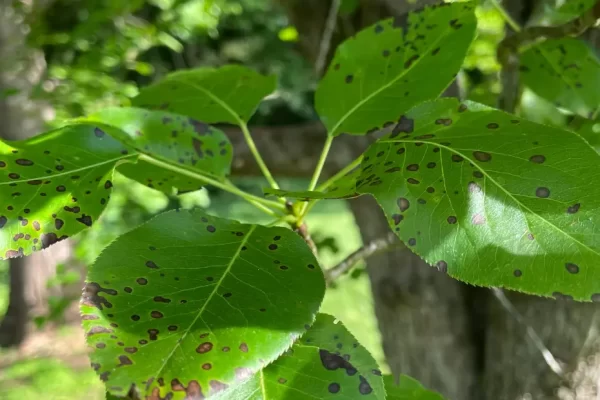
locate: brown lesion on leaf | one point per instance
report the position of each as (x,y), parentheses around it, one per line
(91,297)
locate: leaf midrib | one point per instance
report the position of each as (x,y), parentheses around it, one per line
(92,166)
(214,97)
(391,83)
(509,194)
(214,291)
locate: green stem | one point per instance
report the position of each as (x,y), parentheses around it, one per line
(340,174)
(509,20)
(265,205)
(261,163)
(325,185)
(318,170)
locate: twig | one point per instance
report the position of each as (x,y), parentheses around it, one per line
(379,245)
(576,27)
(537,341)
(327,35)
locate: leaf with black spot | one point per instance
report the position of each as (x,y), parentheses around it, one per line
(51,185)
(174,139)
(508,202)
(564,71)
(326,363)
(228,94)
(408,389)
(387,68)
(205,303)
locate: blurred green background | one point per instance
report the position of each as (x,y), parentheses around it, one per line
(98,53)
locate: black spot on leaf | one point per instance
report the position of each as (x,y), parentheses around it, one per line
(572,268)
(542,192)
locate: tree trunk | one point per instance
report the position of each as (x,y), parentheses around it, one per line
(20,69)
(455,338)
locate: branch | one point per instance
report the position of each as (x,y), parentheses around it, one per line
(379,245)
(535,338)
(293,150)
(327,35)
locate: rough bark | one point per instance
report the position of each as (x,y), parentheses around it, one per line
(422,313)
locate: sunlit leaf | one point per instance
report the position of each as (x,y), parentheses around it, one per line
(55,185)
(326,363)
(229,94)
(387,68)
(190,304)
(172,138)
(490,198)
(564,71)
(408,389)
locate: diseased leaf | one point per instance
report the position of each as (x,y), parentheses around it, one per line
(229,94)
(172,138)
(492,199)
(564,71)
(190,304)
(408,389)
(55,185)
(386,69)
(326,363)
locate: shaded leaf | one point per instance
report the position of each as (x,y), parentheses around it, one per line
(326,363)
(175,139)
(189,303)
(408,389)
(564,71)
(386,69)
(590,131)
(492,199)
(569,10)
(228,94)
(55,185)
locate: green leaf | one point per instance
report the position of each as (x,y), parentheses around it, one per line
(383,71)
(326,363)
(172,138)
(55,185)
(569,10)
(590,131)
(564,71)
(408,389)
(229,94)
(191,303)
(492,199)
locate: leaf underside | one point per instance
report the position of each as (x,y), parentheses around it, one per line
(191,304)
(228,94)
(492,199)
(326,363)
(55,185)
(571,67)
(391,66)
